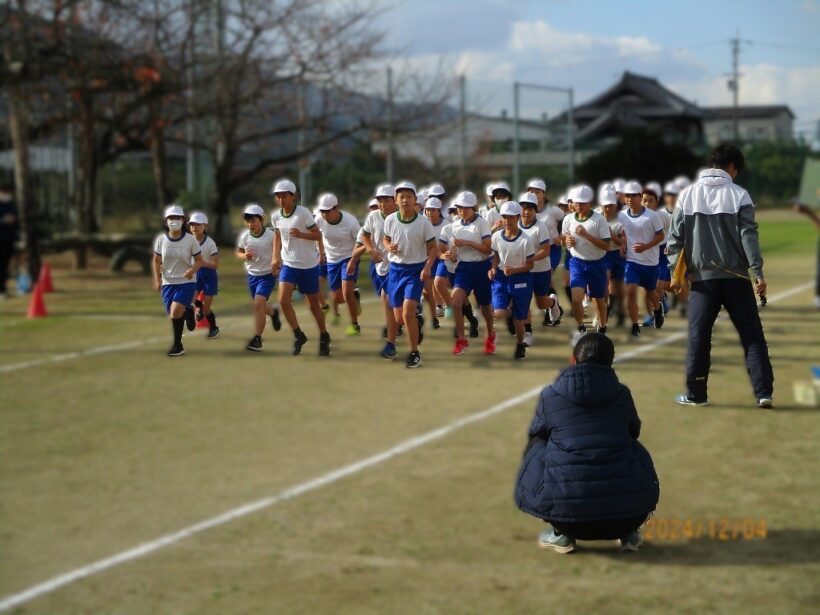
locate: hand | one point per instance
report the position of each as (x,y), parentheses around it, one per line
(622,250)
(295,232)
(581,232)
(323,259)
(249,255)
(375,257)
(570,241)
(276,267)
(491,274)
(639,247)
(190,273)
(497,225)
(508,271)
(351,267)
(459,243)
(760,287)
(393,248)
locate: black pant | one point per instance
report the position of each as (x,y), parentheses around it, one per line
(6,252)
(600,530)
(705,301)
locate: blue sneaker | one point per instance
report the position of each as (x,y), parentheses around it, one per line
(548,539)
(685,400)
(649,321)
(389,351)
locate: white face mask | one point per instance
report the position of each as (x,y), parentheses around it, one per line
(499,201)
(174,225)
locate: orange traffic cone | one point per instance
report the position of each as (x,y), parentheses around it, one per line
(45,279)
(37,307)
(202,324)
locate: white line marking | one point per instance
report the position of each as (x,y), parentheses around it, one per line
(311,485)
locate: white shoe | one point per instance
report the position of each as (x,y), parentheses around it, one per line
(595,322)
(439,311)
(576,337)
(529,340)
(555,310)
(586,302)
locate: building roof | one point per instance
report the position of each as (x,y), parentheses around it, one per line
(748,112)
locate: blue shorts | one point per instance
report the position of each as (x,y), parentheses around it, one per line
(664,275)
(322,270)
(261,285)
(541,281)
(642,275)
(379,281)
(207,281)
(590,275)
(471,277)
(555,256)
(515,290)
(615,263)
(305,280)
(337,273)
(404,283)
(178,293)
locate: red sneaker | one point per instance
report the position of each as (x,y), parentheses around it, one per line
(461,346)
(489,344)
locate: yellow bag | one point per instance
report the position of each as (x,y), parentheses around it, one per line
(679,274)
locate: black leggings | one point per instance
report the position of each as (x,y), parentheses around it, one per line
(600,530)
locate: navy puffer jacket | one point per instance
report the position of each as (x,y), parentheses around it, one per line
(583,462)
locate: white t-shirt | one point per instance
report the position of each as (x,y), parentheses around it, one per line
(615,228)
(374,228)
(209,249)
(297,253)
(552,216)
(339,239)
(666,220)
(513,252)
(491,215)
(476,231)
(177,257)
(641,229)
(262,248)
(596,226)
(411,237)
(541,236)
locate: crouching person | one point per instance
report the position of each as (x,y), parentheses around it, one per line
(584,471)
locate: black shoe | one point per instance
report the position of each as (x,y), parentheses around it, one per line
(358,296)
(199,314)
(213,333)
(275,320)
(190,320)
(473,328)
(510,325)
(299,340)
(546,322)
(414,360)
(255,344)
(436,323)
(557,322)
(602,330)
(420,320)
(176,351)
(636,330)
(520,351)
(324,344)
(659,317)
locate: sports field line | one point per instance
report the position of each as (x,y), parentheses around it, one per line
(145,548)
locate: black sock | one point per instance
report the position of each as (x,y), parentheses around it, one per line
(211,320)
(177,324)
(297,332)
(551,291)
(568,292)
(528,327)
(467,310)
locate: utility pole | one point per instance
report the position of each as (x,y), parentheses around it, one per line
(734,85)
(463,113)
(516,139)
(389,134)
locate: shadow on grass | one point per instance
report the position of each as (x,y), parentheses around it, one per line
(780,547)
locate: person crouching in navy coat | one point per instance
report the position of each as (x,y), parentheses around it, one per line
(584,471)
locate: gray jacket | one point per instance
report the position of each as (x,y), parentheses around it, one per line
(714,221)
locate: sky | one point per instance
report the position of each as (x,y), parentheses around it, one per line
(587,44)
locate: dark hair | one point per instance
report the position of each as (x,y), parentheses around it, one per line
(725,154)
(594,348)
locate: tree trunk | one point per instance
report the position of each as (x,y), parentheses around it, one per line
(86,180)
(159,161)
(18,125)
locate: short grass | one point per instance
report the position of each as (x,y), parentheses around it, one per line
(106,451)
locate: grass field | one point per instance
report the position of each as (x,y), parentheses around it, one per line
(106,444)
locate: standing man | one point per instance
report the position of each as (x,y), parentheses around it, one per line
(296,260)
(714,224)
(8,233)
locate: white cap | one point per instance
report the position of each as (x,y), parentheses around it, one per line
(373,203)
(654,187)
(632,187)
(510,208)
(466,199)
(174,210)
(436,190)
(421,196)
(385,190)
(198,218)
(283,185)
(406,185)
(562,200)
(581,194)
(527,198)
(433,203)
(488,188)
(619,184)
(538,183)
(327,201)
(682,182)
(451,205)
(607,195)
(252,209)
(671,188)
(501,186)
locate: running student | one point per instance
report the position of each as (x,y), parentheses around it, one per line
(652,194)
(587,237)
(296,260)
(543,237)
(616,263)
(255,248)
(410,242)
(436,300)
(177,258)
(472,250)
(339,231)
(513,252)
(207,281)
(643,231)
(549,214)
